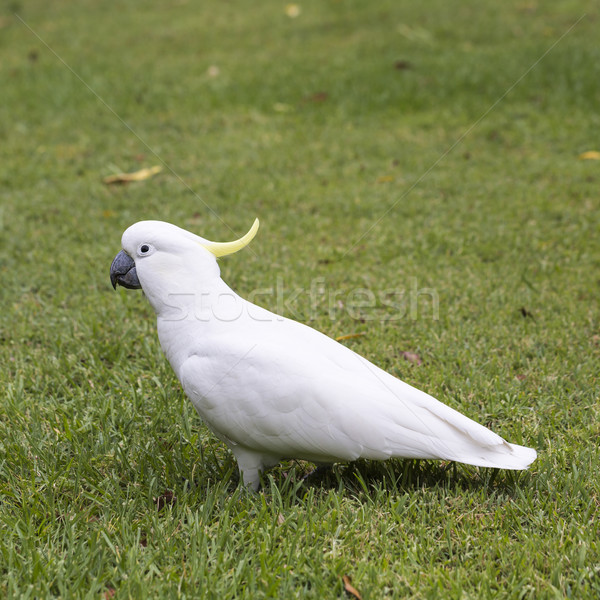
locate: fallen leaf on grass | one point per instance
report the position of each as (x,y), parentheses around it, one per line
(168,498)
(316,97)
(589,155)
(213,71)
(349,588)
(521,377)
(135,176)
(349,336)
(417,34)
(292,11)
(280,519)
(109,593)
(411,357)
(385,179)
(282,107)
(402,65)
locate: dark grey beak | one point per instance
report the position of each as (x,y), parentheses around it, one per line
(122,271)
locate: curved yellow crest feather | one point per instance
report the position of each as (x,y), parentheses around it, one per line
(224,248)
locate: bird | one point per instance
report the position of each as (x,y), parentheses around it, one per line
(275,389)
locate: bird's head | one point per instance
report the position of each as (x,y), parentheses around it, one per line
(162,258)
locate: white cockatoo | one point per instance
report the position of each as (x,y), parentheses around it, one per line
(272,388)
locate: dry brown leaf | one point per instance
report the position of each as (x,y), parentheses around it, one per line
(292,10)
(402,65)
(411,357)
(135,176)
(349,588)
(521,377)
(109,593)
(589,155)
(213,71)
(349,336)
(167,498)
(316,97)
(280,519)
(385,179)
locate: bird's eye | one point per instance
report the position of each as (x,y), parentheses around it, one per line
(145,249)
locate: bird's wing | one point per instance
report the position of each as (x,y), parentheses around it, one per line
(268,398)
(299,394)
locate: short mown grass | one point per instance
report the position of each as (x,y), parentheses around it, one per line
(361,134)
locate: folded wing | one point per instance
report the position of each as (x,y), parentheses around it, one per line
(317,400)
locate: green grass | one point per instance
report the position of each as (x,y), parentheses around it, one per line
(109,484)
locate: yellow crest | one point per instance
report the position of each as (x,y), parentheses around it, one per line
(224,248)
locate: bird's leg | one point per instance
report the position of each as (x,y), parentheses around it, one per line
(251,465)
(250,478)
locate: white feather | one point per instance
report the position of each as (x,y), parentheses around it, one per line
(272,388)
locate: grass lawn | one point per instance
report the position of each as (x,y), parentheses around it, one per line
(416,169)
